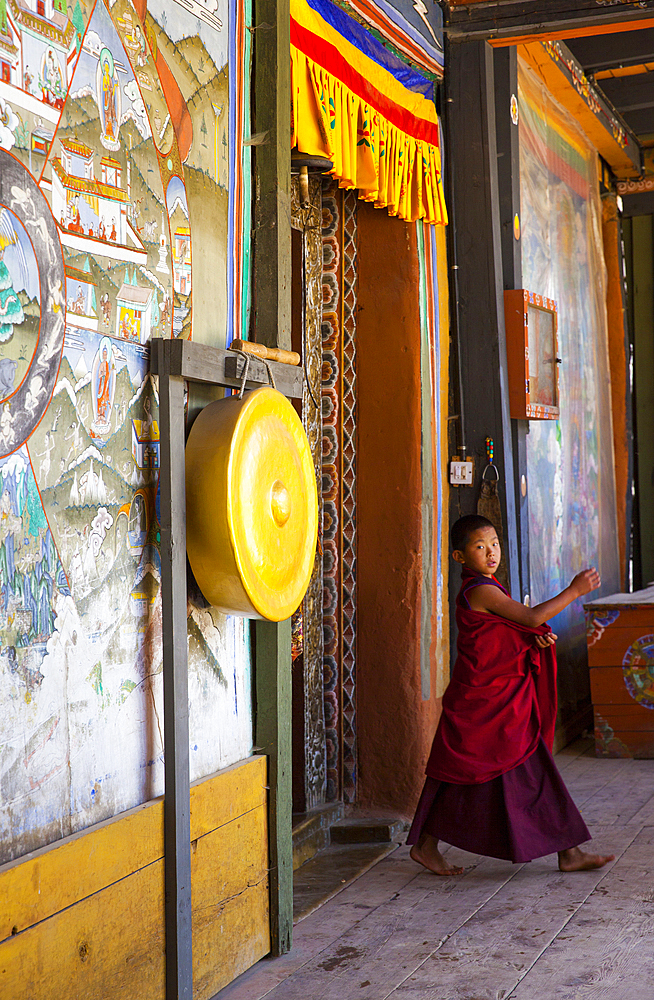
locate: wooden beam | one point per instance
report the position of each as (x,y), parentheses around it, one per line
(511,20)
(177,821)
(471,145)
(625,48)
(567,82)
(508,177)
(272,326)
(216,366)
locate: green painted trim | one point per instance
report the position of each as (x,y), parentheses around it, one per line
(427,504)
(273,738)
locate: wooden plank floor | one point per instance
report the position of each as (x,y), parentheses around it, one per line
(499,932)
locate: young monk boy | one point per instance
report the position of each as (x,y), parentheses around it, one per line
(492,786)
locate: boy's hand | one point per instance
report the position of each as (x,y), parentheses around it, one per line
(587,580)
(543,641)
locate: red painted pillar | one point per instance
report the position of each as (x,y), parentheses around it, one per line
(395,726)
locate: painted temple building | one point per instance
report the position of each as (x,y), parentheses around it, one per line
(83,204)
(182,259)
(37,47)
(134,305)
(81,301)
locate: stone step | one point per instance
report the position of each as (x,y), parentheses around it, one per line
(366,830)
(311,831)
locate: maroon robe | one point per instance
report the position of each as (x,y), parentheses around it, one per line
(500,700)
(492,787)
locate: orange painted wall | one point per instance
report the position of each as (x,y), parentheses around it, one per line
(395,726)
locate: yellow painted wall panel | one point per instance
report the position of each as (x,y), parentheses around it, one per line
(226,860)
(233,943)
(110,943)
(231,929)
(37,886)
(229,793)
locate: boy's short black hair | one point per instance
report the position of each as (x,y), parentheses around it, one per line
(462,529)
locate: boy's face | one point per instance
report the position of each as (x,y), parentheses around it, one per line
(481,553)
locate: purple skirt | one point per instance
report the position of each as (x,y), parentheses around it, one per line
(524,814)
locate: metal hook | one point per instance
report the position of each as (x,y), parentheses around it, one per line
(491,466)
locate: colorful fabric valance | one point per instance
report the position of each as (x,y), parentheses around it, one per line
(361,107)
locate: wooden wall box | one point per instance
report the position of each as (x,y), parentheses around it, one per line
(531,323)
(620,638)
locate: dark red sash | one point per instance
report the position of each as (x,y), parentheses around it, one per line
(501,698)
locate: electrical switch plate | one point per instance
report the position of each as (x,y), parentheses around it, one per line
(461,473)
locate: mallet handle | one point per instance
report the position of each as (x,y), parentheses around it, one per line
(269,353)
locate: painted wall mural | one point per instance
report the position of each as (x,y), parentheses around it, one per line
(117,185)
(572,506)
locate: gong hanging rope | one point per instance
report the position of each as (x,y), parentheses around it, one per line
(246,368)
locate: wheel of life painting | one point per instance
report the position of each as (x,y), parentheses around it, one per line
(638,670)
(32,319)
(116,119)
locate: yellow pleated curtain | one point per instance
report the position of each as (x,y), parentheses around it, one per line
(382,138)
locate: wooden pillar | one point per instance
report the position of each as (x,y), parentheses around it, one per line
(273,737)
(473,193)
(272,237)
(643,325)
(508,179)
(177,819)
(619,363)
(272,326)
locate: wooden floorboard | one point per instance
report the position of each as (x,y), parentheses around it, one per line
(498,945)
(645,815)
(406,928)
(621,797)
(575,751)
(499,932)
(605,953)
(331,924)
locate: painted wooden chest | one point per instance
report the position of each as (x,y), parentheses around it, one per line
(620,636)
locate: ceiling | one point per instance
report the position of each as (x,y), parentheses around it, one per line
(622,66)
(619,61)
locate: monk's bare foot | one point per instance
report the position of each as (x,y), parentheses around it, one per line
(575,860)
(426,853)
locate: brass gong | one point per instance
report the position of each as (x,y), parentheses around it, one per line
(251,505)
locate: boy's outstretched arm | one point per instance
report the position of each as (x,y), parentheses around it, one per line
(492,600)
